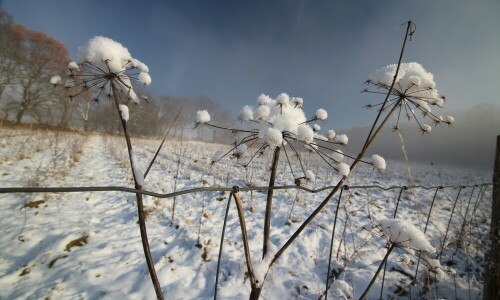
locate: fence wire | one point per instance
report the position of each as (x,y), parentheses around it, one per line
(215,189)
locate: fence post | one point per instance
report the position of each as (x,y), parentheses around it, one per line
(492,276)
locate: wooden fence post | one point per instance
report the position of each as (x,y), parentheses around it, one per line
(492,276)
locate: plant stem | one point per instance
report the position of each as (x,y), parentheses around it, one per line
(269,202)
(221,244)
(376,273)
(331,244)
(140,205)
(244,237)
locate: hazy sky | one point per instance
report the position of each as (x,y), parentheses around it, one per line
(232,51)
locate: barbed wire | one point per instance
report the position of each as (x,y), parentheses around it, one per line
(12,190)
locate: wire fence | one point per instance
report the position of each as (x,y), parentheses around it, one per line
(466,218)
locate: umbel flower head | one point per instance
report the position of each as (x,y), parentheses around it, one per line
(414,90)
(282,123)
(102,64)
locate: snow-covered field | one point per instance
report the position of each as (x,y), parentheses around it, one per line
(87,245)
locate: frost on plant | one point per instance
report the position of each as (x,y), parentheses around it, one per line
(414,92)
(101,62)
(281,122)
(405,235)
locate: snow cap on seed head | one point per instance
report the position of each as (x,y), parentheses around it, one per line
(321,114)
(263,100)
(283,99)
(344,169)
(405,235)
(379,162)
(202,116)
(73,66)
(412,80)
(305,133)
(341,139)
(273,137)
(56,79)
(99,50)
(246,113)
(298,102)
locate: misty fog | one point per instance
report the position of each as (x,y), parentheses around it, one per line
(469,143)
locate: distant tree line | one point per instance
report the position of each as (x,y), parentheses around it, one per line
(28,59)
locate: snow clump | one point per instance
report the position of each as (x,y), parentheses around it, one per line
(321,114)
(344,169)
(202,116)
(274,137)
(246,113)
(379,162)
(341,139)
(73,66)
(405,235)
(412,80)
(305,133)
(309,175)
(145,78)
(426,128)
(112,58)
(124,112)
(56,79)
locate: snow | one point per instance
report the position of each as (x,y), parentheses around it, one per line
(111,264)
(241,151)
(144,78)
(341,139)
(56,79)
(202,116)
(273,137)
(124,113)
(341,289)
(246,113)
(73,66)
(264,100)
(140,65)
(316,127)
(321,114)
(405,235)
(379,162)
(309,175)
(260,268)
(283,99)
(298,102)
(136,169)
(412,79)
(450,119)
(305,133)
(426,128)
(262,112)
(337,155)
(217,156)
(344,169)
(331,135)
(99,50)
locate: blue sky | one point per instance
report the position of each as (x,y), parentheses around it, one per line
(232,51)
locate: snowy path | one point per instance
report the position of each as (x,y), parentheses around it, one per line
(113,251)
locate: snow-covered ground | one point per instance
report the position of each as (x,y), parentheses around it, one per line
(87,245)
